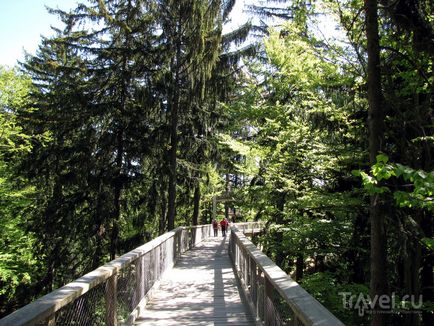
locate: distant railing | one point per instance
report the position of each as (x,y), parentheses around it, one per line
(274,298)
(249,227)
(113,294)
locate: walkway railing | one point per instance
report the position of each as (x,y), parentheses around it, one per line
(250,227)
(274,298)
(115,293)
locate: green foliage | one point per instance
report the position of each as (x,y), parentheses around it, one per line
(17,262)
(294,143)
(14,89)
(429,242)
(327,290)
(420,183)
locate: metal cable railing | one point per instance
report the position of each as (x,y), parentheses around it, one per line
(273,297)
(113,294)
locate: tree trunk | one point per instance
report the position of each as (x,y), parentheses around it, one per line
(426,273)
(376,137)
(280,205)
(299,267)
(196,204)
(174,108)
(280,254)
(355,255)
(99,228)
(117,192)
(162,221)
(411,269)
(228,191)
(171,210)
(319,264)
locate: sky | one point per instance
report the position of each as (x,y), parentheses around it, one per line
(22,22)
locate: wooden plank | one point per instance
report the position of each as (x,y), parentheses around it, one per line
(200,290)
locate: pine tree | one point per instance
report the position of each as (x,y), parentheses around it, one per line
(192,37)
(95,101)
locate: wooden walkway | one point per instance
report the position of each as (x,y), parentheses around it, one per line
(200,290)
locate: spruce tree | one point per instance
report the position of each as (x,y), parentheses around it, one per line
(95,101)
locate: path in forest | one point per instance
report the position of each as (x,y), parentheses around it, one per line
(200,290)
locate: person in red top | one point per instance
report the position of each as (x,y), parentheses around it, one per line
(224,224)
(215,226)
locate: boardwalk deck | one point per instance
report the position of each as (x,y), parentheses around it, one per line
(200,290)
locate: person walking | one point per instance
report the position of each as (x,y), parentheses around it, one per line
(224,225)
(215,226)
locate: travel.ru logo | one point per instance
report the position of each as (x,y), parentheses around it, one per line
(386,303)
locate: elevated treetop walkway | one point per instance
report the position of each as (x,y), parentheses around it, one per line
(215,281)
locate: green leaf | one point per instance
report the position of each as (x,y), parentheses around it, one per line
(429,242)
(382,158)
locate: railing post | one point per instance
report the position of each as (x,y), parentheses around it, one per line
(163,256)
(243,263)
(237,250)
(240,261)
(140,286)
(186,240)
(247,267)
(268,303)
(233,246)
(230,245)
(178,246)
(159,262)
(254,283)
(111,294)
(261,296)
(51,321)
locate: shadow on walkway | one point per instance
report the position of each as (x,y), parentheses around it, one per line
(200,290)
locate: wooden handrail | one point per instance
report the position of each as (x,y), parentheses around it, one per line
(253,265)
(43,310)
